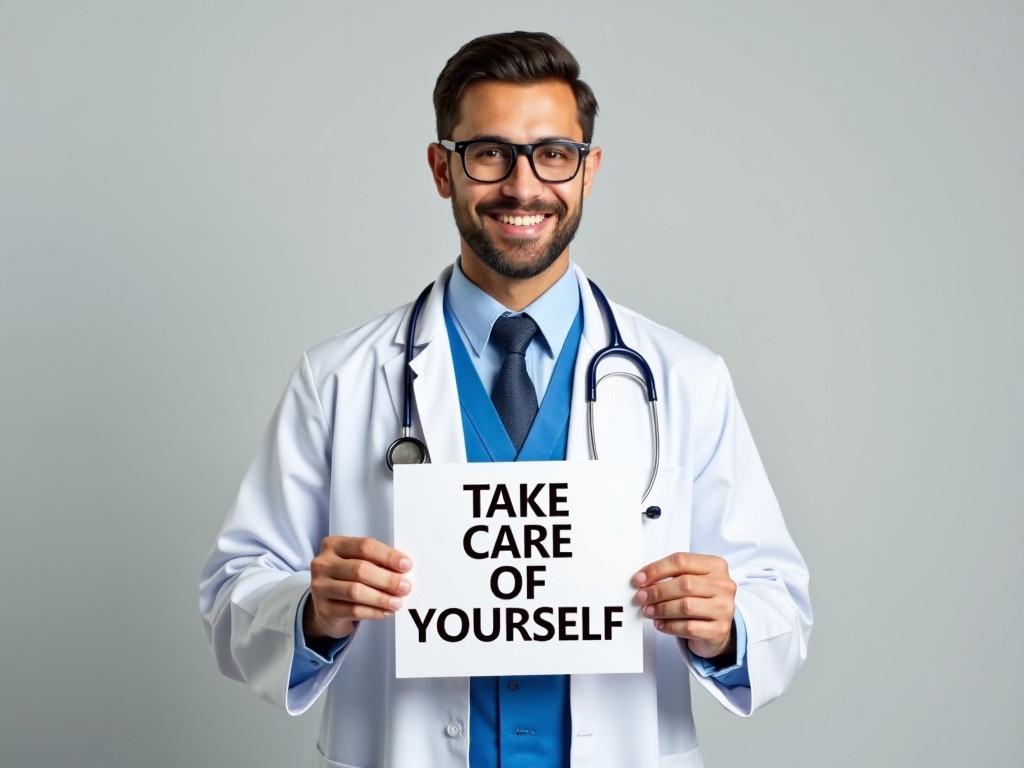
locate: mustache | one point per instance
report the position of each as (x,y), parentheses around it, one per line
(500,206)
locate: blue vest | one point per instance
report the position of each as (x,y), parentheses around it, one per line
(524,720)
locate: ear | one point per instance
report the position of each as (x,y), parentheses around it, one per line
(590,166)
(437,159)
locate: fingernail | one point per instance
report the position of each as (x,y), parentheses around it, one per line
(405,563)
(404,586)
(640,578)
(395,603)
(649,610)
(641,596)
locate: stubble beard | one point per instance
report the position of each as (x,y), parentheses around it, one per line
(518,260)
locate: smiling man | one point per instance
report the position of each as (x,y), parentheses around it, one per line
(298,594)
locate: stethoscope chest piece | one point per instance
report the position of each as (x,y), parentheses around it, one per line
(406,450)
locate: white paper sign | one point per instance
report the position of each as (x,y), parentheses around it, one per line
(519,568)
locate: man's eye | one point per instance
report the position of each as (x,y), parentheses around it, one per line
(489,154)
(555,155)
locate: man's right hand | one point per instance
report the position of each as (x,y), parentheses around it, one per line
(353,578)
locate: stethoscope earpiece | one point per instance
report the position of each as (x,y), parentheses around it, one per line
(652,513)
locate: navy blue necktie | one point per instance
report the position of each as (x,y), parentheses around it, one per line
(514,395)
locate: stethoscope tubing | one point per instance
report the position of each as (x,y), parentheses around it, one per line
(618,348)
(410,340)
(652,406)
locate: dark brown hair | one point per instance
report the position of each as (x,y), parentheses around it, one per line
(511,57)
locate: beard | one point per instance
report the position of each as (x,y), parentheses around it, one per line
(524,259)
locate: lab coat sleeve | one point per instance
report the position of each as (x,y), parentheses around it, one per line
(305,661)
(735,674)
(257,572)
(736,516)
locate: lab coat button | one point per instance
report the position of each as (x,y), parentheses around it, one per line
(453,730)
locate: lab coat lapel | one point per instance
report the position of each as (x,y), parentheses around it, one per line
(584,690)
(436,410)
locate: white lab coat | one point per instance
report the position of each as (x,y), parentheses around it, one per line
(320,471)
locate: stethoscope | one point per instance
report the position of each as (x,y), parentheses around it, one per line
(411,450)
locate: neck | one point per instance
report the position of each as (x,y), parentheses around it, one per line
(516,293)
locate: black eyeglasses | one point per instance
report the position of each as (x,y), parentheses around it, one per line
(488,161)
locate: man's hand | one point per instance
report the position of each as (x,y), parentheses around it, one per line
(690,596)
(353,578)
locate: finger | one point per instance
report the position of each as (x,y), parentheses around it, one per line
(366,548)
(335,610)
(691,629)
(686,608)
(673,565)
(372,575)
(681,586)
(358,593)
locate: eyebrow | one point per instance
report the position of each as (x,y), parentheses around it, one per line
(507,140)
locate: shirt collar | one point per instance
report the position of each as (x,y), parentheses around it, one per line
(476,310)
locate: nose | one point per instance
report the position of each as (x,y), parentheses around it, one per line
(522,183)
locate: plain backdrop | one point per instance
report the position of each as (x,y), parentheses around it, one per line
(827,194)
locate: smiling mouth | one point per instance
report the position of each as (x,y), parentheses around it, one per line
(520,223)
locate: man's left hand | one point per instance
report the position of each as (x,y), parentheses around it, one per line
(690,596)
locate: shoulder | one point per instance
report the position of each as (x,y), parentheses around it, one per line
(354,349)
(660,340)
(683,365)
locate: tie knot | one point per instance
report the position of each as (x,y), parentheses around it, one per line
(512,333)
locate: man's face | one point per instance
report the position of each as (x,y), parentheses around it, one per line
(520,114)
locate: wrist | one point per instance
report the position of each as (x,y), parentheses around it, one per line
(314,632)
(727,657)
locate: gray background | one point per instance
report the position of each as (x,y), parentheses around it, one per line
(828,194)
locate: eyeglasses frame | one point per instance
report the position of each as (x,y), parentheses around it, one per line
(517,150)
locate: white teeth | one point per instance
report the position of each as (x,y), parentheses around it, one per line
(520,221)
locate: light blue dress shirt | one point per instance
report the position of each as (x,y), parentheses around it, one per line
(475,313)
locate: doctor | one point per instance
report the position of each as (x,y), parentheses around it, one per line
(297,592)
